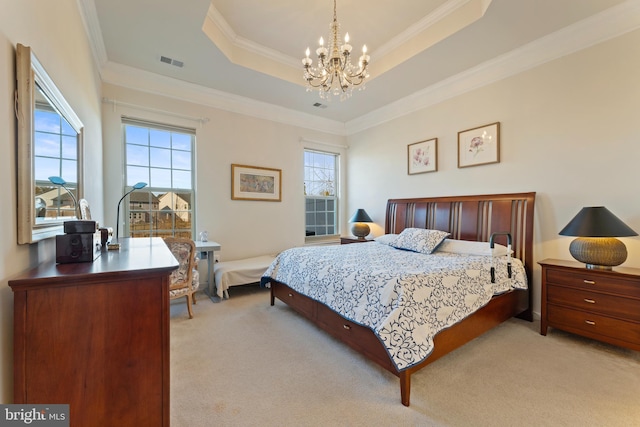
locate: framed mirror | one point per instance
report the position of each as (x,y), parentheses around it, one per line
(49,144)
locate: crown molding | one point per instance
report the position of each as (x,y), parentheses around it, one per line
(601,27)
(425,23)
(145,81)
(89,17)
(243,43)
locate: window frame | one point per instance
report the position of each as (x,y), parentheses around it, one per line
(154,211)
(336,197)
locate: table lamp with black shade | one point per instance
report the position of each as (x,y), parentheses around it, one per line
(136,186)
(359,219)
(596,245)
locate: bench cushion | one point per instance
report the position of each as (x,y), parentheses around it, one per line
(239,272)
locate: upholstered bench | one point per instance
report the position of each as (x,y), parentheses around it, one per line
(239,272)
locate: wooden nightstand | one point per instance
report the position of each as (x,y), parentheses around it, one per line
(603,305)
(348,240)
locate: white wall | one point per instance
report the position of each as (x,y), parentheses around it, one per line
(68,60)
(243,228)
(569,131)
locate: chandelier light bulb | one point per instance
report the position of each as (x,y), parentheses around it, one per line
(307,52)
(321,41)
(346,38)
(364,48)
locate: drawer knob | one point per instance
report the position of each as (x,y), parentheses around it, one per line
(290,295)
(589,282)
(590,301)
(347,327)
(590,322)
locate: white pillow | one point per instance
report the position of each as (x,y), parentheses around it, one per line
(472,248)
(386,239)
(419,240)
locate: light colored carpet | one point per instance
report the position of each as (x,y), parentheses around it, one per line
(241,362)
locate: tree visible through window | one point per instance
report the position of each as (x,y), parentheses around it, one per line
(161,156)
(321,195)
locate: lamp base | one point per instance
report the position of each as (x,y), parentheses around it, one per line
(598,267)
(360,230)
(598,253)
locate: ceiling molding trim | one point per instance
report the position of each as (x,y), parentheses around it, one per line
(215,17)
(144,81)
(604,26)
(446,20)
(414,30)
(89,16)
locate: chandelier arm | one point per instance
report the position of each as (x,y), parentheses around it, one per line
(313,75)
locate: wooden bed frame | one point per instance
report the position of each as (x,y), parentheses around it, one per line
(466,218)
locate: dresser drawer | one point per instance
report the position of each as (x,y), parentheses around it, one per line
(611,305)
(593,325)
(591,281)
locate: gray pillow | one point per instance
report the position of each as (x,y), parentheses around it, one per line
(419,240)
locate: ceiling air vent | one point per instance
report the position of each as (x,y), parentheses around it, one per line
(170,61)
(319,105)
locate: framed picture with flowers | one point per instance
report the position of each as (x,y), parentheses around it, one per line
(422,156)
(479,146)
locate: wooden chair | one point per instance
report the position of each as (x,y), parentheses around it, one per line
(184,281)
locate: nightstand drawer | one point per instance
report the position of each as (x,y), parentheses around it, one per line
(596,282)
(592,325)
(625,308)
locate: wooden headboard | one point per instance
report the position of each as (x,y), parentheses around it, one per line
(471,218)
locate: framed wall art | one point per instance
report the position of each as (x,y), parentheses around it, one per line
(256,183)
(479,146)
(422,156)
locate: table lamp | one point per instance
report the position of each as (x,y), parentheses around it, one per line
(135,187)
(596,246)
(359,219)
(56,180)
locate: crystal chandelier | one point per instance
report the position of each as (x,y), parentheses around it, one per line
(335,74)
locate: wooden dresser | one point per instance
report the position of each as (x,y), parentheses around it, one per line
(603,305)
(95,335)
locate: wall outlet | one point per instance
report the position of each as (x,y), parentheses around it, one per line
(216,258)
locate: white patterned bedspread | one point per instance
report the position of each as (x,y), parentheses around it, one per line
(405,297)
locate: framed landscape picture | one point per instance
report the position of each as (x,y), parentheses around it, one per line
(256,183)
(422,156)
(479,146)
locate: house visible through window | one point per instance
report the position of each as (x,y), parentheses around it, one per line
(162,156)
(55,153)
(321,194)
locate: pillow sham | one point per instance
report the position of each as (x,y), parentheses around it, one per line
(386,239)
(419,240)
(472,248)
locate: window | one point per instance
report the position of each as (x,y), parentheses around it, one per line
(321,194)
(55,153)
(163,157)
